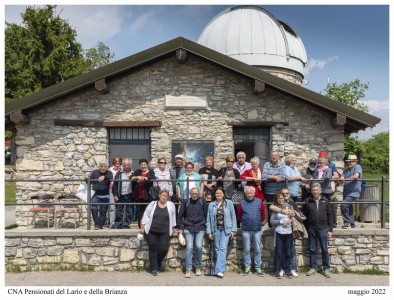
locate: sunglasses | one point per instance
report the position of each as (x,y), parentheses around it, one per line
(162,162)
(312,164)
(230,161)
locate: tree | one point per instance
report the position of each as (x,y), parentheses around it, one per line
(375,155)
(348,93)
(99,56)
(41,52)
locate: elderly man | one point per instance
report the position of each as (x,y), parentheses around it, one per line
(122,194)
(251,213)
(175,171)
(317,210)
(241,164)
(101,182)
(193,211)
(274,172)
(351,190)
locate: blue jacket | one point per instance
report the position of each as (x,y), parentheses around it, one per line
(101,188)
(230,222)
(251,214)
(194,215)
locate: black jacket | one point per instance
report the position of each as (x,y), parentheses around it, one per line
(320,219)
(147,183)
(194,215)
(101,188)
(222,173)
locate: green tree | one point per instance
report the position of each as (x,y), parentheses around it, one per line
(348,93)
(99,56)
(41,52)
(353,145)
(375,155)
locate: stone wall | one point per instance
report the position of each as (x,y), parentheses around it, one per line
(46,151)
(118,250)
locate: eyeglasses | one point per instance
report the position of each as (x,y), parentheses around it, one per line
(312,164)
(285,193)
(162,162)
(230,161)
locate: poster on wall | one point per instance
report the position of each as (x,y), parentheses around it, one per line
(194,151)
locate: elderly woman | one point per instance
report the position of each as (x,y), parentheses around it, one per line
(142,181)
(163,173)
(208,173)
(294,176)
(157,226)
(221,227)
(255,175)
(227,175)
(182,189)
(323,171)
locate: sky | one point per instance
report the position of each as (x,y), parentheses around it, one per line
(343,42)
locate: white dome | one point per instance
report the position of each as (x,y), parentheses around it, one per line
(254,36)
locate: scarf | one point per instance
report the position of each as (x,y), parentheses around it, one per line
(117,168)
(320,172)
(258,176)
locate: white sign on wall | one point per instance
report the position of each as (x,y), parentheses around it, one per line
(186,102)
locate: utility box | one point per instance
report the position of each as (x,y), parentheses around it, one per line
(369,213)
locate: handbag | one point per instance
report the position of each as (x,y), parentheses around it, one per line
(154,191)
(181,239)
(237,196)
(82,192)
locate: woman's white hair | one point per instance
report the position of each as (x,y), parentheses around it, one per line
(249,187)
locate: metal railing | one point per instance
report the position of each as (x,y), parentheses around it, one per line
(382,201)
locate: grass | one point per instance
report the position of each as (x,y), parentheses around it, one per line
(11,226)
(372,271)
(379,184)
(10,192)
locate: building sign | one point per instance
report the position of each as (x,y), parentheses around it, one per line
(193,151)
(186,102)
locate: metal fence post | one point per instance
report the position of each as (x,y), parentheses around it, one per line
(383,216)
(89,205)
(187,188)
(286,182)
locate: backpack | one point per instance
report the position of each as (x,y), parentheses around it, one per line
(201,203)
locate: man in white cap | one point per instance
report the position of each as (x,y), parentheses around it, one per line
(101,182)
(351,190)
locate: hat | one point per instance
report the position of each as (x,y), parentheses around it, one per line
(323,154)
(313,160)
(352,157)
(179,156)
(103,162)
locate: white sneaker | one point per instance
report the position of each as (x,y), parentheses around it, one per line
(281,273)
(220,275)
(294,273)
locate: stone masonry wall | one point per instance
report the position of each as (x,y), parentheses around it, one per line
(46,151)
(121,250)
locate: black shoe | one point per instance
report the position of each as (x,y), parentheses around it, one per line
(346,226)
(154,272)
(277,275)
(96,227)
(288,274)
(353,225)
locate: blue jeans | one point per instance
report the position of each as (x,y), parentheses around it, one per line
(123,212)
(247,238)
(347,209)
(283,243)
(189,236)
(221,242)
(292,257)
(99,212)
(320,234)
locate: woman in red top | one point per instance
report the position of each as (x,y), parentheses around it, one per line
(256,174)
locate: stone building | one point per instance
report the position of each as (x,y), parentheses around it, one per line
(149,103)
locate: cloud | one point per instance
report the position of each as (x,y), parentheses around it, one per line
(375,106)
(318,63)
(141,21)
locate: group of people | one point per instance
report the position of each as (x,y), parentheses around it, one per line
(207,206)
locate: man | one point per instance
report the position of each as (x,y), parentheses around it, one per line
(251,213)
(175,171)
(274,172)
(122,194)
(317,211)
(308,173)
(242,165)
(351,190)
(102,179)
(193,211)
(290,212)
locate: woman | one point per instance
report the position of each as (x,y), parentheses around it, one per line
(227,175)
(283,237)
(142,181)
(294,176)
(157,226)
(182,189)
(221,226)
(323,171)
(116,167)
(208,173)
(161,172)
(255,174)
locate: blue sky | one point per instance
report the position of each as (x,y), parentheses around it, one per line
(343,42)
